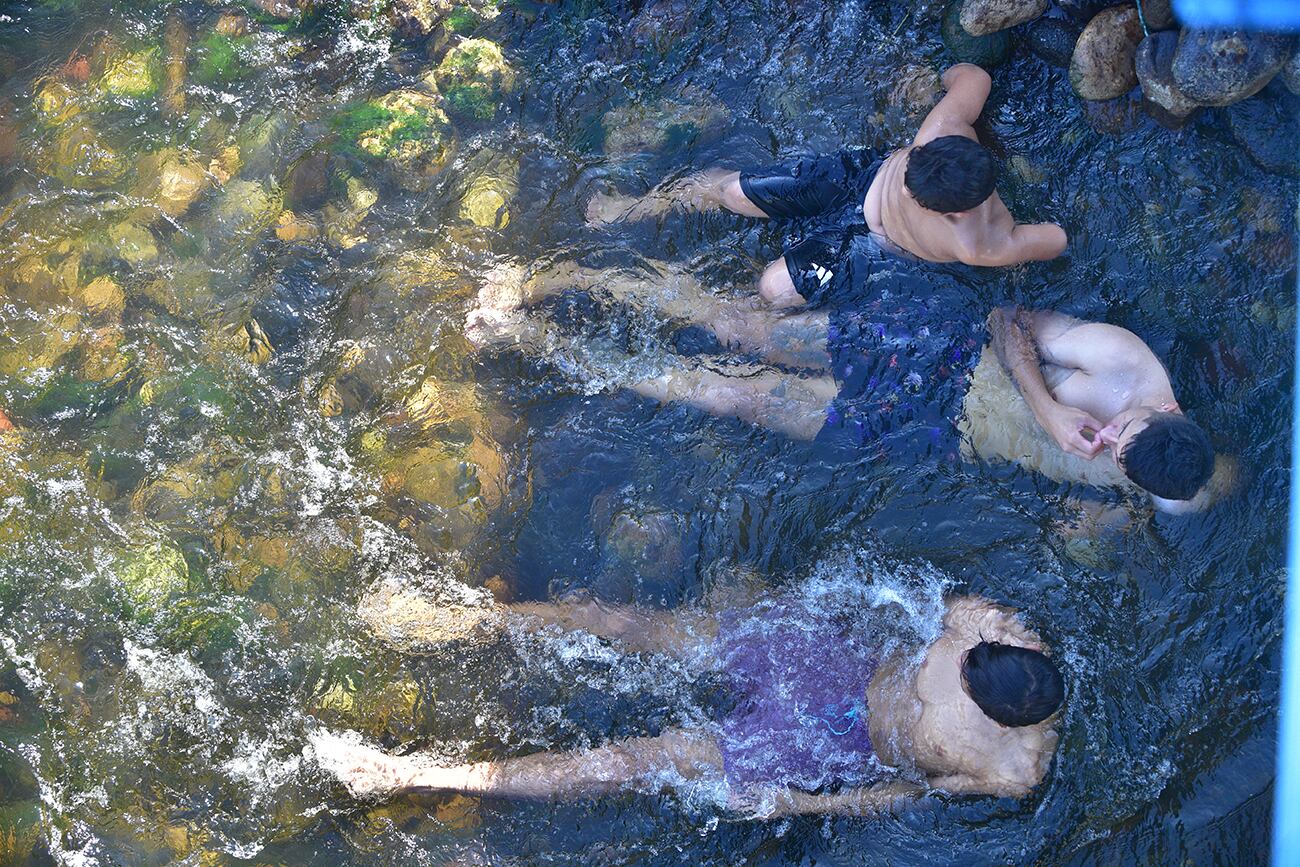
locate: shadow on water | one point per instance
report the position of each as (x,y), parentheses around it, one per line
(232,334)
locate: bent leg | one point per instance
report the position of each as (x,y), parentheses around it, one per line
(781,402)
(709,190)
(666,760)
(678,632)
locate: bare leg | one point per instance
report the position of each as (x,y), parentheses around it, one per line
(675,755)
(793,339)
(709,190)
(678,632)
(778,401)
(414,620)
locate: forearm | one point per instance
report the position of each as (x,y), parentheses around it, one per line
(850,802)
(1012,339)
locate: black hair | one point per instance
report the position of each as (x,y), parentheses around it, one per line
(1171,457)
(1013,685)
(950,174)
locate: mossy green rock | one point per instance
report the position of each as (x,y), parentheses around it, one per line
(151,574)
(473,76)
(406,128)
(217,59)
(987,51)
(132,74)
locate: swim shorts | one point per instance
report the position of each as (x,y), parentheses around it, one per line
(800,680)
(902,355)
(828,189)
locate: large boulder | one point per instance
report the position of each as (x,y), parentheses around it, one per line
(1102,66)
(1155,57)
(1052,39)
(1220,67)
(982,17)
(987,51)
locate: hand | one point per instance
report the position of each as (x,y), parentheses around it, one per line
(759,802)
(1075,431)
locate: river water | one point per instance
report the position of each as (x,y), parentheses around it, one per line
(235,278)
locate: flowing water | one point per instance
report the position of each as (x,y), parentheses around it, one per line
(235,278)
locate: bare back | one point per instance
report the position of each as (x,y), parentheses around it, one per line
(984,235)
(929,722)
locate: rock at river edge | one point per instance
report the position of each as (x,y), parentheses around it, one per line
(1102,66)
(1220,67)
(982,17)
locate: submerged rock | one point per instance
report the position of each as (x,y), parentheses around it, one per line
(659,125)
(1083,11)
(645,543)
(1052,39)
(1220,67)
(1267,130)
(987,51)
(217,59)
(176,39)
(293,228)
(472,77)
(1289,74)
(1113,116)
(415,619)
(151,574)
(1102,66)
(79,157)
(172,180)
(982,17)
(1159,14)
(1154,63)
(307,181)
(486,202)
(103,295)
(58,101)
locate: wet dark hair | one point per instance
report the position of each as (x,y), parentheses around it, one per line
(950,174)
(1013,685)
(1172,457)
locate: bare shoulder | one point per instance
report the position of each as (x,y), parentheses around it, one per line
(972,619)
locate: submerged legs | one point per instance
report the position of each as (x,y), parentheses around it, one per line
(708,190)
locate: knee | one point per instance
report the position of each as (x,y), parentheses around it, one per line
(776,288)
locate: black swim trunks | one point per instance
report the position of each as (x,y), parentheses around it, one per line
(830,189)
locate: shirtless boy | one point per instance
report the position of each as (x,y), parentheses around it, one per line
(976,716)
(934,200)
(1090,387)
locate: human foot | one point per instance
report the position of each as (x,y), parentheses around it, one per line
(499,316)
(408,617)
(364,770)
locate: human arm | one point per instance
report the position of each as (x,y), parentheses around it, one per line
(967,89)
(1035,242)
(1015,339)
(770,802)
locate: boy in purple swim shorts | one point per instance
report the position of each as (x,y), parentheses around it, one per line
(821,723)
